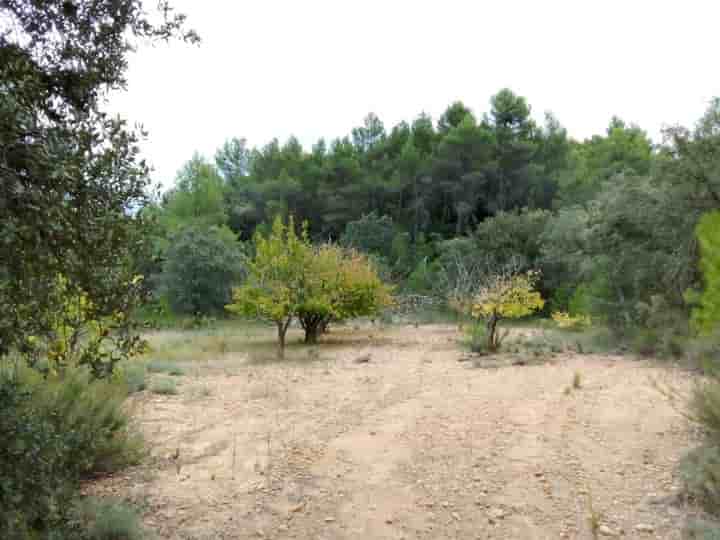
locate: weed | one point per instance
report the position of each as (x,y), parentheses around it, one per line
(134,376)
(701,529)
(163,366)
(109,519)
(577,380)
(594,518)
(164,386)
(567,391)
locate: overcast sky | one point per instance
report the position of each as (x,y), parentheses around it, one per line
(271,68)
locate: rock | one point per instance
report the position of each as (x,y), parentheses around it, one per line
(329,519)
(389,521)
(496,513)
(297,507)
(455,516)
(364,359)
(644,527)
(604,530)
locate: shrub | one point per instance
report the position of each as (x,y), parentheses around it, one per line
(109,519)
(570,322)
(701,529)
(133,375)
(201,266)
(164,366)
(477,338)
(700,471)
(55,431)
(506,296)
(164,386)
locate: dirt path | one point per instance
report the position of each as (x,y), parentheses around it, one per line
(414,444)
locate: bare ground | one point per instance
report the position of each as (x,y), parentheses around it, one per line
(412,444)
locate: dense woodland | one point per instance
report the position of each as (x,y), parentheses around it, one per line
(616,231)
(609,221)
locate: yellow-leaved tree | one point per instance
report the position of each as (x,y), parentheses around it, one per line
(506,296)
(288,277)
(275,284)
(342,284)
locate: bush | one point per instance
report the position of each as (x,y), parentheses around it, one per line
(164,366)
(164,386)
(570,322)
(109,519)
(477,338)
(700,471)
(700,529)
(55,431)
(133,375)
(201,266)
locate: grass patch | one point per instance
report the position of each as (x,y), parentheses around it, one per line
(110,519)
(134,374)
(164,386)
(577,381)
(165,366)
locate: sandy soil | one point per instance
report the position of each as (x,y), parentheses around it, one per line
(412,444)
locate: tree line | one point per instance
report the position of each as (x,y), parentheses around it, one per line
(608,221)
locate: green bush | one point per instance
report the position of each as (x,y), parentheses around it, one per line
(700,471)
(701,529)
(164,366)
(164,386)
(477,338)
(55,431)
(109,519)
(134,376)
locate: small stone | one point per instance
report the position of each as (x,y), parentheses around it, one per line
(455,516)
(644,527)
(389,521)
(496,513)
(373,433)
(329,519)
(604,530)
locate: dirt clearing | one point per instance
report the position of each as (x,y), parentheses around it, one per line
(411,444)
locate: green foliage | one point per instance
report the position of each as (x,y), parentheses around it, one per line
(706,314)
(289,278)
(198,198)
(275,286)
(201,266)
(164,386)
(71,174)
(109,519)
(700,471)
(164,366)
(370,234)
(55,431)
(339,285)
(477,338)
(701,529)
(133,375)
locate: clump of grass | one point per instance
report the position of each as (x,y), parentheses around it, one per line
(577,381)
(110,519)
(164,366)
(476,338)
(164,386)
(567,391)
(700,529)
(134,375)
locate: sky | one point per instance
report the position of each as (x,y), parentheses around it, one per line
(311,68)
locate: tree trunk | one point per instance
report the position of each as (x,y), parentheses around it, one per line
(492,333)
(282,330)
(312,332)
